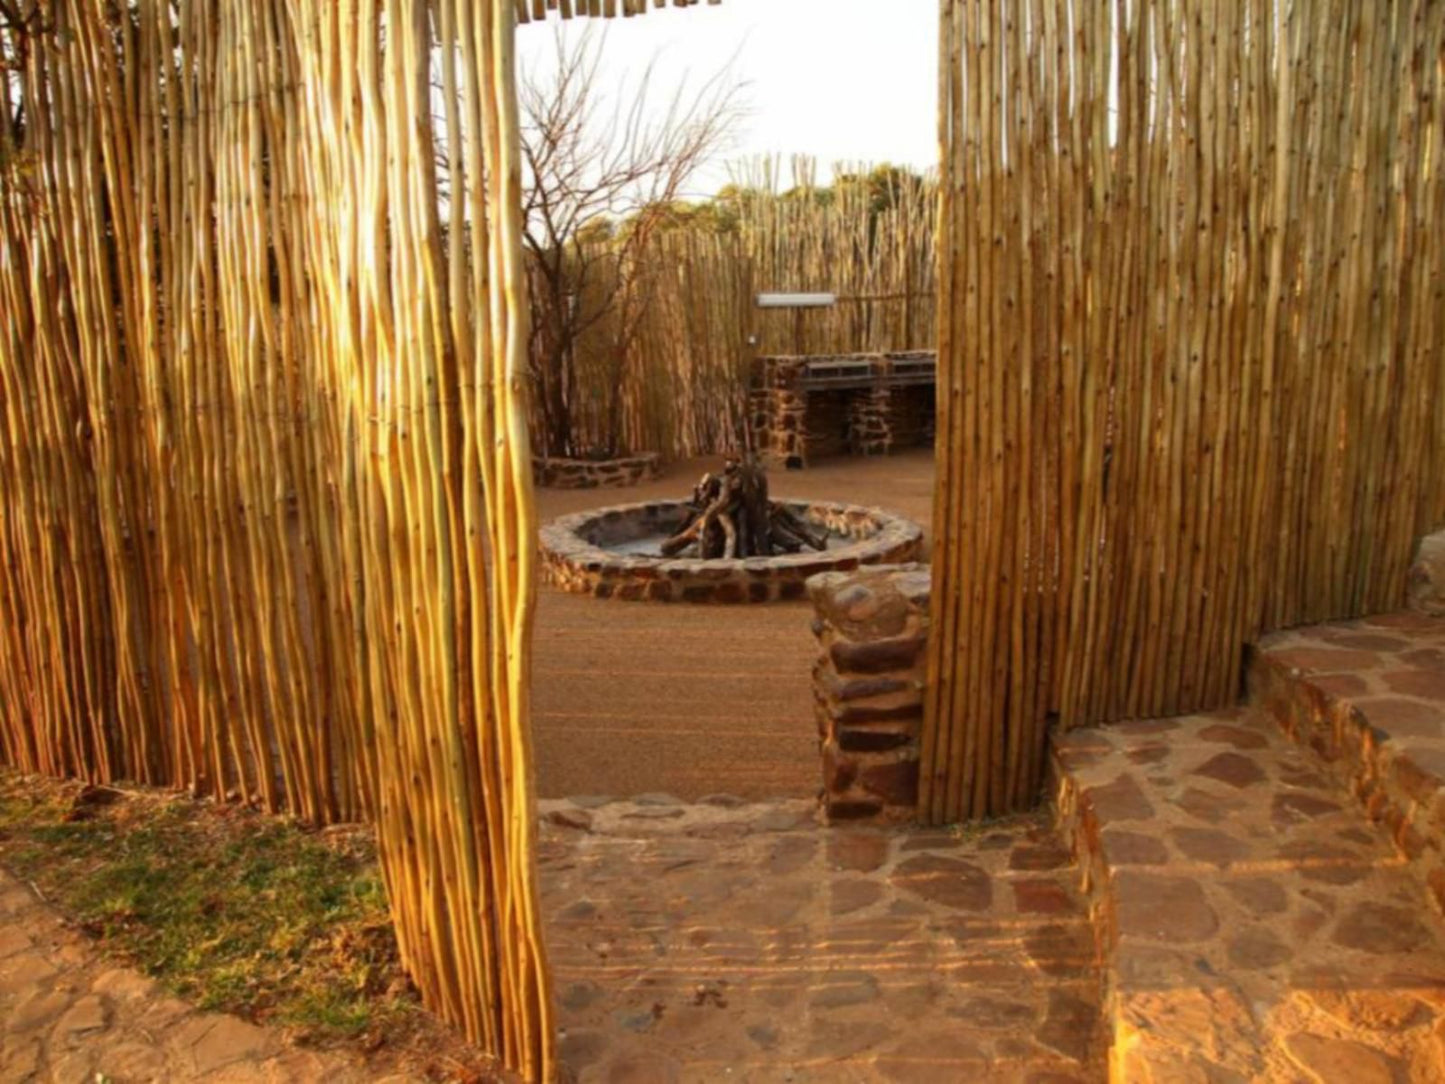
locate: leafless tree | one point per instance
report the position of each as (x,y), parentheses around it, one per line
(595,160)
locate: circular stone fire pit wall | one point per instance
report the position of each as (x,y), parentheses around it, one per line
(580,554)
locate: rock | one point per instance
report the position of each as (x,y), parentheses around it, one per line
(1258,895)
(123,983)
(1042,898)
(1401,718)
(854,740)
(20,1059)
(877,656)
(1148,754)
(1121,800)
(577,819)
(34,1011)
(1330,1061)
(862,852)
(1038,858)
(1070,1027)
(1125,848)
(1237,736)
(656,799)
(1257,949)
(844,988)
(1381,929)
(951,882)
(791,853)
(1232,768)
(1428,684)
(850,896)
(1208,807)
(782,819)
(1385,1010)
(930,840)
(13,941)
(1209,845)
(1061,951)
(1169,909)
(1202,1033)
(723,801)
(223,1040)
(1292,806)
(994,1014)
(591,801)
(87,1016)
(896,782)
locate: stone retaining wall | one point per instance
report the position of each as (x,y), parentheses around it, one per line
(595,473)
(575,560)
(868,687)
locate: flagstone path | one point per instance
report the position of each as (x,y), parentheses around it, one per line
(743,943)
(69,1017)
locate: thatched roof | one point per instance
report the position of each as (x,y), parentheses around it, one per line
(529,10)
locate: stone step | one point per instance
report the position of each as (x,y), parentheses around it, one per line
(1369,698)
(1252,925)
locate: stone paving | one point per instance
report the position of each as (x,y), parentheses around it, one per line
(741,942)
(1369,698)
(1257,927)
(69,1017)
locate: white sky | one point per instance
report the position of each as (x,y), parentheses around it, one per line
(845,81)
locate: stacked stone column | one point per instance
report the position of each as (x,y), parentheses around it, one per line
(872,626)
(870,424)
(780,412)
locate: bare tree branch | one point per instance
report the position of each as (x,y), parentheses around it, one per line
(594,157)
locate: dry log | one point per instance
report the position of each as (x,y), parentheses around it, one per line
(732,517)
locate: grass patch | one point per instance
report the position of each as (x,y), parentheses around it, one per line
(231,910)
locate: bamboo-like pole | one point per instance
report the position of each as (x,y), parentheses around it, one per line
(1241,429)
(268,522)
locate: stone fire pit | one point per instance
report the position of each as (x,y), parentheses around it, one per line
(614,553)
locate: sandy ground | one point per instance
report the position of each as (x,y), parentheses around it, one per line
(635,698)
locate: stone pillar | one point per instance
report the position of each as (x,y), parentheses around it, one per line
(780,410)
(868,684)
(870,431)
(1427,576)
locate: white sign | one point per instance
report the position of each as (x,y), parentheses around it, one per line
(796,301)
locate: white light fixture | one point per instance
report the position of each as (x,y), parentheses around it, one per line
(796,301)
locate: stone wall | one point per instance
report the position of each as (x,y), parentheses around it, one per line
(595,474)
(872,626)
(794,424)
(577,554)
